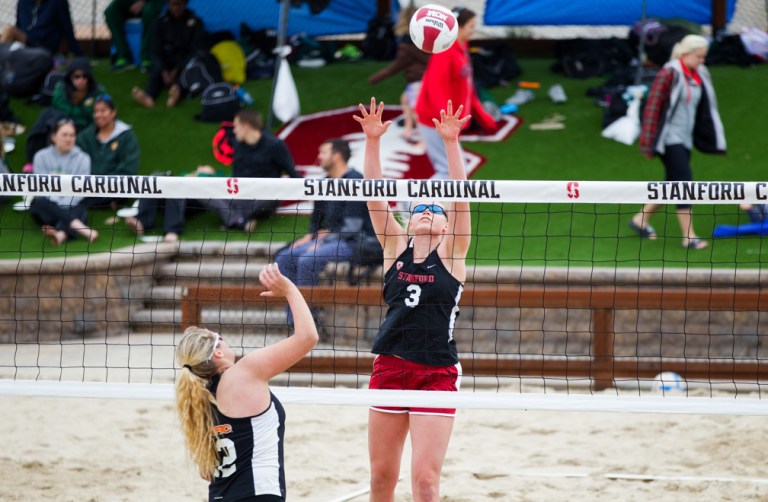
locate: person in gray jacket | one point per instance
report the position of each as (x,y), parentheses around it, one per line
(680,114)
(62,217)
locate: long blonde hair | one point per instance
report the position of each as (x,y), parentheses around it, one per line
(194,400)
(689,43)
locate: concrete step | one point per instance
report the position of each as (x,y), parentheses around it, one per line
(197,249)
(218,269)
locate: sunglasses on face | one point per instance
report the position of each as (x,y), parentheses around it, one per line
(77,76)
(432,208)
(215,345)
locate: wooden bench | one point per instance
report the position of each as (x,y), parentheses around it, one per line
(600,366)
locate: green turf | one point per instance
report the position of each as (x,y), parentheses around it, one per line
(580,235)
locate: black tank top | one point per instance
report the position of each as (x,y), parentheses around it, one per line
(250,453)
(423,301)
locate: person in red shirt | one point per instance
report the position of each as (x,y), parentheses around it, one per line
(412,61)
(448,77)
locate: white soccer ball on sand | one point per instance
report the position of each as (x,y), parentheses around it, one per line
(434,28)
(669,382)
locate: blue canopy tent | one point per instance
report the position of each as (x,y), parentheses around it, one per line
(339,17)
(336,17)
(597,12)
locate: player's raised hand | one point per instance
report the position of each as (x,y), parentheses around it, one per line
(275,283)
(450,124)
(373,127)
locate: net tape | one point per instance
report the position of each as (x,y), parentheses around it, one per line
(620,192)
(436,399)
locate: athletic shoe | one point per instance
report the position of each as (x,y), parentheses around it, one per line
(120,64)
(9,144)
(520,97)
(557,94)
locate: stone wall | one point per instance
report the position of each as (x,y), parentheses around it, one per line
(72,297)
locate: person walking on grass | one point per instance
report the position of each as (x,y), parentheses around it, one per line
(680,113)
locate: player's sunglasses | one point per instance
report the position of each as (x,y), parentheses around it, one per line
(432,208)
(215,345)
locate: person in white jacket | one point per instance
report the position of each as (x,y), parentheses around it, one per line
(62,217)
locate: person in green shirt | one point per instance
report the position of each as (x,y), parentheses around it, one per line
(117,13)
(112,146)
(76,93)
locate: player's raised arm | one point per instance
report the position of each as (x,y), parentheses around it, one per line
(458,236)
(276,358)
(387,228)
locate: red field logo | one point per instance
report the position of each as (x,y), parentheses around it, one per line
(400,159)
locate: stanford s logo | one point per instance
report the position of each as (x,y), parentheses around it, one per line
(232,187)
(573,189)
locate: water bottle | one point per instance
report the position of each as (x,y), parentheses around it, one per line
(244,95)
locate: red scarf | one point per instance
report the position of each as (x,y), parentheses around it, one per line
(691,74)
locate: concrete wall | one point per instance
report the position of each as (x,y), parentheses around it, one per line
(81,296)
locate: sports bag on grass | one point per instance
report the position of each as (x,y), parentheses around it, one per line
(24,69)
(219,103)
(200,72)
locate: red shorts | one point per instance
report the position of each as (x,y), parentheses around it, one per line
(390,372)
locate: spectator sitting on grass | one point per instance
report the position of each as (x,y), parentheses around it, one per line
(43,23)
(76,93)
(179,34)
(112,146)
(117,13)
(62,216)
(257,154)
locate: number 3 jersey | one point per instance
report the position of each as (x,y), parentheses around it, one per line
(250,454)
(422,301)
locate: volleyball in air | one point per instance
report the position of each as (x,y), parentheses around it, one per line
(669,382)
(434,28)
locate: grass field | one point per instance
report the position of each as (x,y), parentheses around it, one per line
(582,235)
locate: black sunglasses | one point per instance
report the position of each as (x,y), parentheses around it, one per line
(433,208)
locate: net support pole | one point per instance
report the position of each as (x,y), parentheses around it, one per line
(719,18)
(282,31)
(602,349)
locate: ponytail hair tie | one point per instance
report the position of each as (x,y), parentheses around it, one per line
(188,367)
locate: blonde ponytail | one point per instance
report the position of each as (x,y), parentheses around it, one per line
(689,43)
(194,400)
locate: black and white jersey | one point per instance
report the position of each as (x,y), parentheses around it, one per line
(423,300)
(250,454)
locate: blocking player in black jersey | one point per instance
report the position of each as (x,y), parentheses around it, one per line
(425,267)
(233,425)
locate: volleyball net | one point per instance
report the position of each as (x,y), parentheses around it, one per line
(565,306)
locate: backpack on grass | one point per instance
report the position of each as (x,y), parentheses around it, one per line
(200,72)
(23,69)
(219,103)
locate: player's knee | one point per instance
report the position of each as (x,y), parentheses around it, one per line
(383,480)
(426,486)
